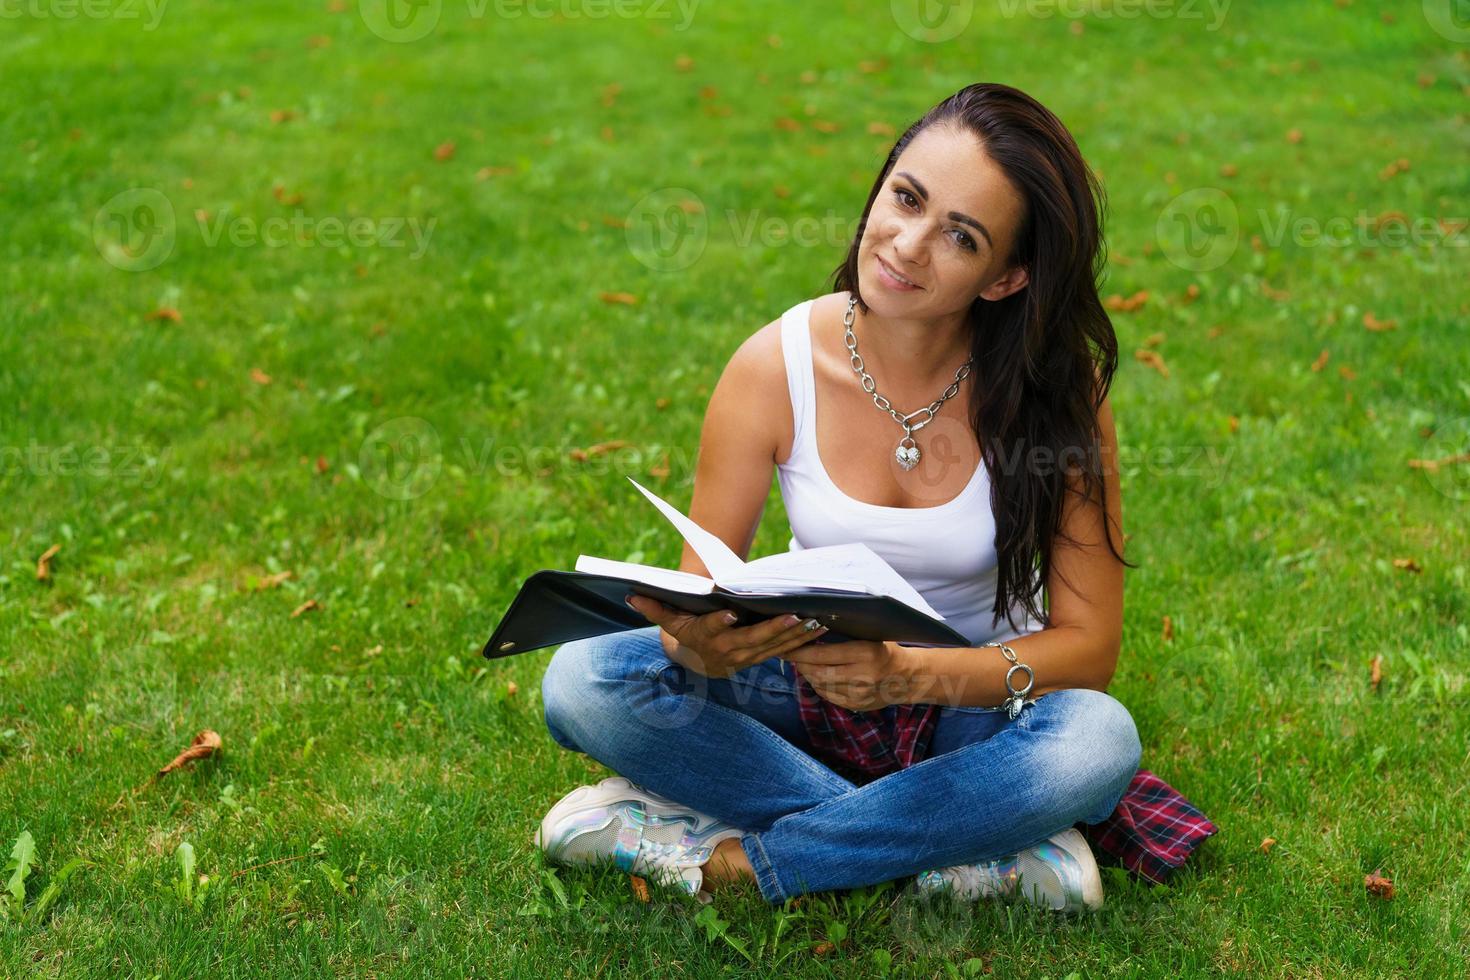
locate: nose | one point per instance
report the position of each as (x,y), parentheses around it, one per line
(911,241)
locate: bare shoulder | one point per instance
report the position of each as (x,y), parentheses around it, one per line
(751,397)
(753,388)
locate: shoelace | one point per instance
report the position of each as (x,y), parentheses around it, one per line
(662,860)
(978,880)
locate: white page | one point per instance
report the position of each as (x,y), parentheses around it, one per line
(838,563)
(854,564)
(716,555)
(665,578)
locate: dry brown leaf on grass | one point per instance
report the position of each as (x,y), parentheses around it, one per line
(259,376)
(1347,373)
(485,173)
(823,948)
(683,63)
(279,116)
(610,93)
(1122,304)
(165,313)
(1153,359)
(444,152)
(1408,565)
(1376,325)
(43,564)
(788,124)
(205,744)
(1375,671)
(640,888)
(1321,361)
(880,129)
(1168,628)
(601,448)
(511,688)
(279,191)
(626,299)
(1271,292)
(1267,844)
(1378,885)
(1434,464)
(306,606)
(1153,340)
(1393,169)
(271,581)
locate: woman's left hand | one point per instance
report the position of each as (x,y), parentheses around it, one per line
(860,675)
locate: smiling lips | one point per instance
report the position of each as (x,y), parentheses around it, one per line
(896,279)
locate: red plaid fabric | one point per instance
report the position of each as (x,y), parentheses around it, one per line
(1152,831)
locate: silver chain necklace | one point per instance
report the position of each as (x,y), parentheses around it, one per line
(907,455)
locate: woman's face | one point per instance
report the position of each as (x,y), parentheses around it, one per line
(940,230)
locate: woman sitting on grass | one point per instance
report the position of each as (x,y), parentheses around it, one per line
(753,752)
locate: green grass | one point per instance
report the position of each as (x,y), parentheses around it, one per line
(391,773)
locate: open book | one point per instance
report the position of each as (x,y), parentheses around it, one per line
(852,590)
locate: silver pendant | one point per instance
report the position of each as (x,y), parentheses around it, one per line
(907,456)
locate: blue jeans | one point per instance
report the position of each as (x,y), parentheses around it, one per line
(734,748)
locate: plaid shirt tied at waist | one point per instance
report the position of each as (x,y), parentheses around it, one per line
(1152,831)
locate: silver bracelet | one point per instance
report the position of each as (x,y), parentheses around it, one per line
(1017,700)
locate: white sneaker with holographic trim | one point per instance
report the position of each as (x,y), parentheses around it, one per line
(1060,873)
(644,833)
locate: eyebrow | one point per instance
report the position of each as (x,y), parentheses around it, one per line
(963,219)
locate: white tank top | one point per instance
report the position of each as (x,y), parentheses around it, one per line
(946,552)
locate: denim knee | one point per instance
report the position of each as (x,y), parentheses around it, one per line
(1097,750)
(580,686)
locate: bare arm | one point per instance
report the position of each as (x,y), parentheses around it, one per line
(737,451)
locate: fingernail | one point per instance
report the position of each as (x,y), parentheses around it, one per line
(811,624)
(792,620)
(629,600)
(731,618)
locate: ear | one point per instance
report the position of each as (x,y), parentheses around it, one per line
(1015,279)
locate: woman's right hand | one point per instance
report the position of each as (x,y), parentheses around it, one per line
(712,645)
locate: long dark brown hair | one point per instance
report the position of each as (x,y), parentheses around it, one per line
(1044,356)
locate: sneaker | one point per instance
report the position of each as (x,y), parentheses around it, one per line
(644,833)
(1060,873)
